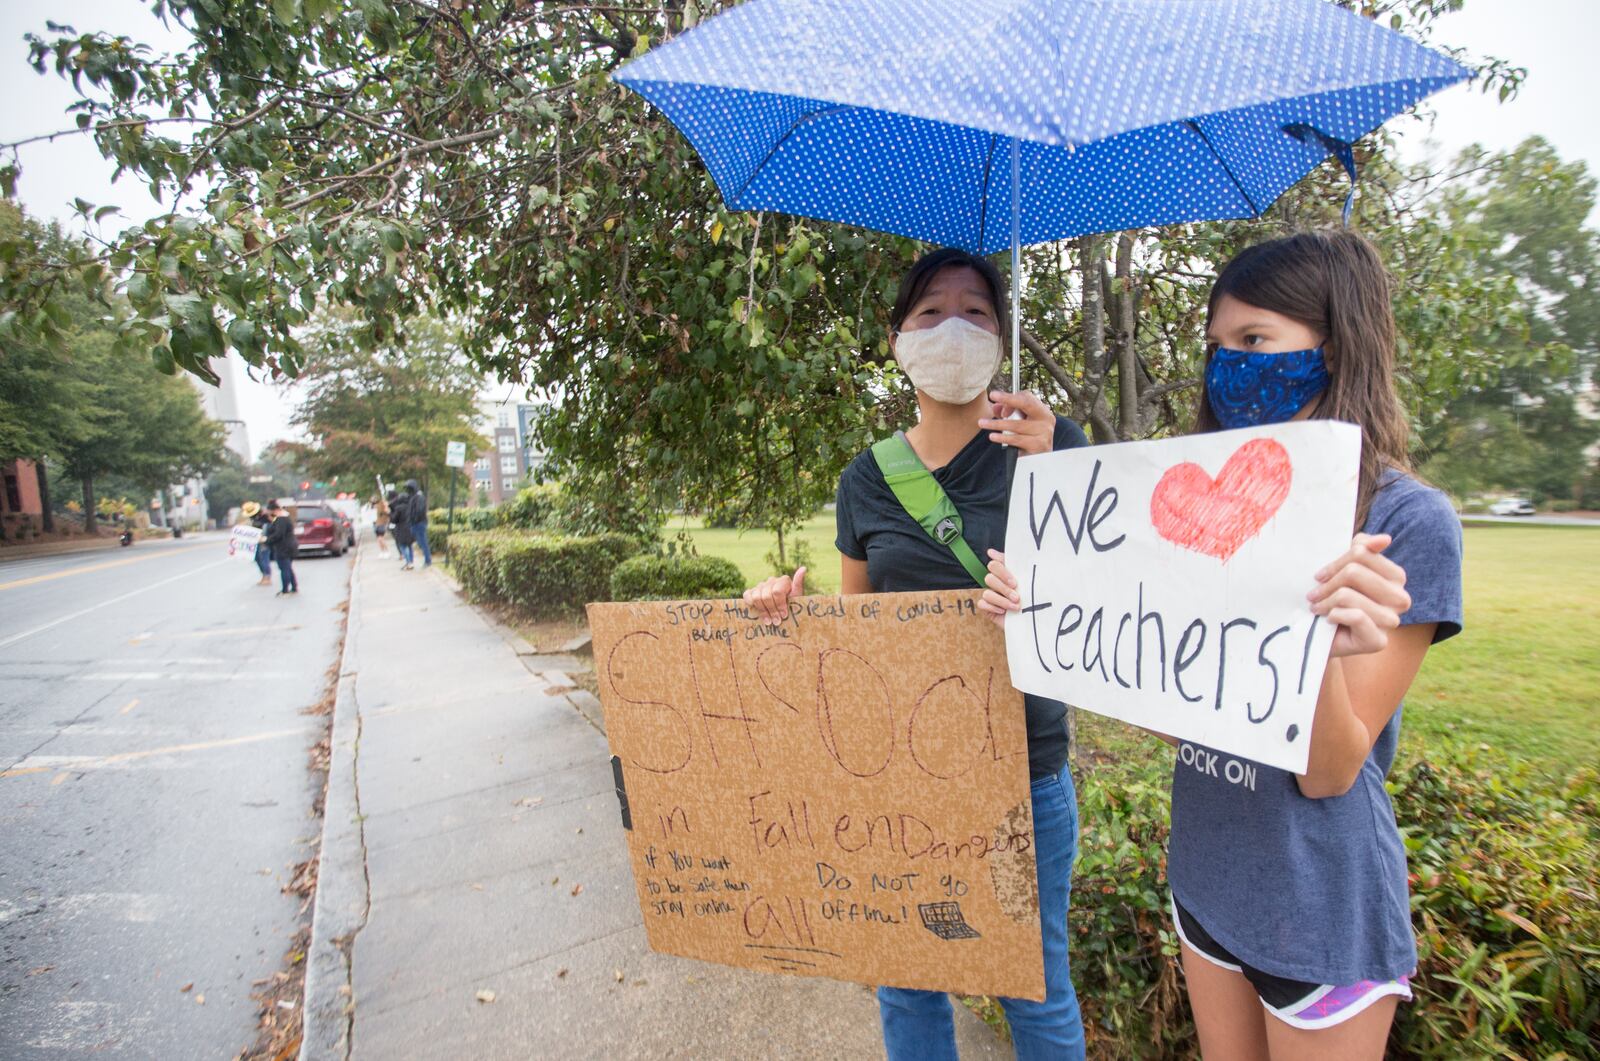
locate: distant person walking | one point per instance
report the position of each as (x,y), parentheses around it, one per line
(380,521)
(279,537)
(252,511)
(417,513)
(400,527)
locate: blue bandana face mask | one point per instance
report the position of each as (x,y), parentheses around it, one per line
(1248,389)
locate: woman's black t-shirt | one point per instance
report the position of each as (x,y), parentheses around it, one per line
(901,557)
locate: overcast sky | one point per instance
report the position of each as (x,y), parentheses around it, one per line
(1555,39)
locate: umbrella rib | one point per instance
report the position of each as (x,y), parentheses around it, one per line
(1255,211)
(983,199)
(778,143)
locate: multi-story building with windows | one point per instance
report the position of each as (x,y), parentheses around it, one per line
(503,469)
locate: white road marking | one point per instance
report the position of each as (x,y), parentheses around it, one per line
(34,764)
(230,631)
(52,624)
(178,676)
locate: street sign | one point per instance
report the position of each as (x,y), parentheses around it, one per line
(261,478)
(455,454)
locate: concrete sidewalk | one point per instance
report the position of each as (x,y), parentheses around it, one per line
(473,845)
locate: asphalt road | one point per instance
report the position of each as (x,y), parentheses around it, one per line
(154,793)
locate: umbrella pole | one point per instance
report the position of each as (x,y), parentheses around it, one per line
(1016,304)
(1016,268)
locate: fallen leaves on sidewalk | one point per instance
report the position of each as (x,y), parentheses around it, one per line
(576,889)
(619,976)
(186,988)
(561,972)
(200,1000)
(529,801)
(485,995)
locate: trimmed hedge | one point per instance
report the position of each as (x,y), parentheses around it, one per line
(535,507)
(544,575)
(467,519)
(676,578)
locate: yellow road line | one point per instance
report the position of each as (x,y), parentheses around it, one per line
(36,579)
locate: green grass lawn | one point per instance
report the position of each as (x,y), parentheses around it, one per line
(1523,678)
(749,549)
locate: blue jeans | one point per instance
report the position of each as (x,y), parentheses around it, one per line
(264,560)
(404,551)
(918,1026)
(286,574)
(421,532)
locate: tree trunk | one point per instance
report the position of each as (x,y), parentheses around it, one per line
(90,523)
(1127,353)
(783,560)
(47,519)
(1090,262)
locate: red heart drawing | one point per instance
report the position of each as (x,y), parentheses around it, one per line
(1217,516)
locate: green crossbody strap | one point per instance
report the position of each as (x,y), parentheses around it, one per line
(920,494)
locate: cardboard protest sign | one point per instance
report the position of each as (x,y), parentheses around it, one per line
(1164,583)
(844,795)
(242,542)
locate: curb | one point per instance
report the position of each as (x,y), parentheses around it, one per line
(23,552)
(343,898)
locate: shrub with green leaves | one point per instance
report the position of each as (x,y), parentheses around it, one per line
(534,508)
(680,577)
(1505,883)
(543,575)
(1505,897)
(466,519)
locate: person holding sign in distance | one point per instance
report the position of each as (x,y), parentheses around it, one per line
(1289,892)
(914,513)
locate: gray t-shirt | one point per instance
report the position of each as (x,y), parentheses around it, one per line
(901,557)
(1315,889)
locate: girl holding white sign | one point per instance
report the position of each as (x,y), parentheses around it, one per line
(1290,893)
(916,512)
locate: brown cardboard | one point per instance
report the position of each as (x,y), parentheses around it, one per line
(845,795)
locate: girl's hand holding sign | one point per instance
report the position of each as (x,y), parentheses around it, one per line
(1364,592)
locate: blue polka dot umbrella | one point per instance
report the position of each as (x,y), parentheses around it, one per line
(984,124)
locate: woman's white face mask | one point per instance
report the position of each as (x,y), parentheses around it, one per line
(951,363)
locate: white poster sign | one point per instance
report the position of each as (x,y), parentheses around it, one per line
(455,454)
(242,542)
(1164,583)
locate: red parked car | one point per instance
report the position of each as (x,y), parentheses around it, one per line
(320,528)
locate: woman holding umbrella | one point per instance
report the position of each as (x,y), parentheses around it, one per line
(945,332)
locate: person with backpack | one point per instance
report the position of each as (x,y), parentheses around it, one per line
(915,512)
(400,528)
(1290,897)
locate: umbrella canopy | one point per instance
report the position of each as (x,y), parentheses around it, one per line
(936,118)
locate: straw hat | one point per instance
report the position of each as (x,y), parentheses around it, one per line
(249,509)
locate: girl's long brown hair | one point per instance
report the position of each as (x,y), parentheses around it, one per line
(1334,283)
